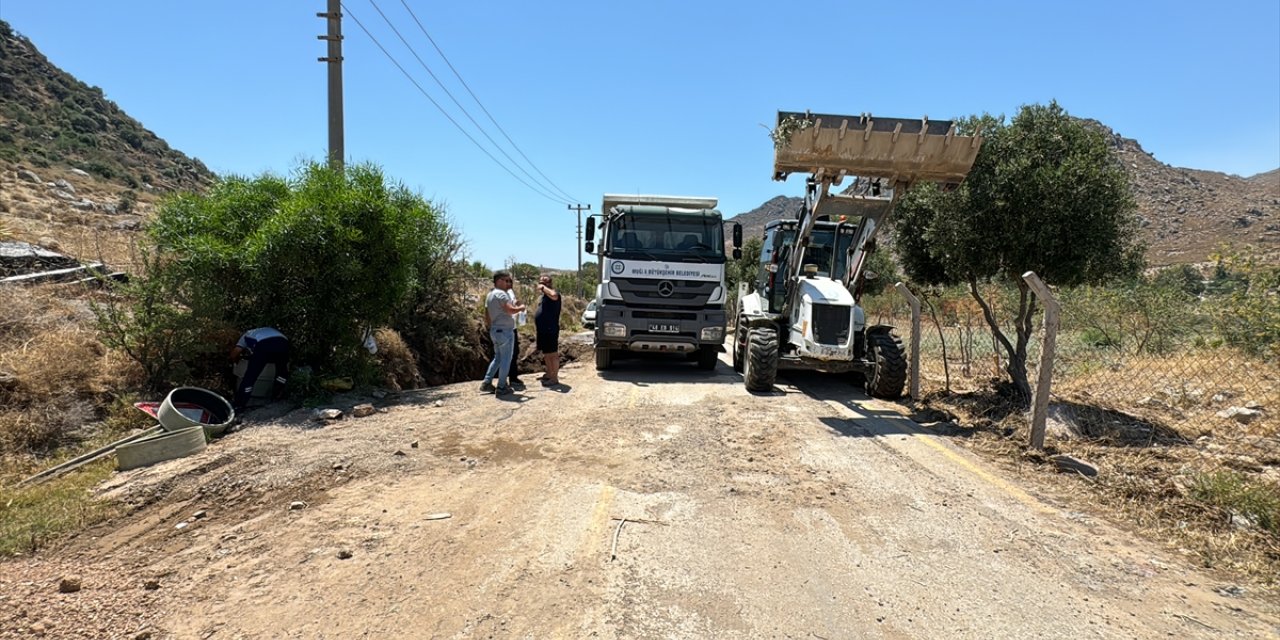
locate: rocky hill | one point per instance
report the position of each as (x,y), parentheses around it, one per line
(73,165)
(775,208)
(1185,214)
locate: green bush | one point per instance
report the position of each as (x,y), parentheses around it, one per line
(1147,315)
(102,169)
(321,256)
(128,199)
(143,322)
(1246,304)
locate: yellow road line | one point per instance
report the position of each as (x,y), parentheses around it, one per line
(991,479)
(1000,483)
(594,536)
(591,545)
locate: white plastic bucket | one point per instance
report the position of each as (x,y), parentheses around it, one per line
(187,407)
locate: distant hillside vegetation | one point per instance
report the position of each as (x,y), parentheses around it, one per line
(48,119)
(73,165)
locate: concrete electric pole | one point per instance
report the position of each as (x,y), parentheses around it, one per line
(580,209)
(334,60)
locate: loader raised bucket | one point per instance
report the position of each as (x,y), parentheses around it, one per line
(865,146)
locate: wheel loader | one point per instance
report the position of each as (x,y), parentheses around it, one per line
(803,310)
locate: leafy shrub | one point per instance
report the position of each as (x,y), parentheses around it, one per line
(321,256)
(142,321)
(102,169)
(128,199)
(1246,309)
(1147,315)
(131,138)
(84,124)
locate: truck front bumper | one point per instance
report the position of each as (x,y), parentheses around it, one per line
(657,331)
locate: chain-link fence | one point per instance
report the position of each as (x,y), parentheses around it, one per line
(1135,376)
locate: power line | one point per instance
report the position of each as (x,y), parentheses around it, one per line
(442,111)
(479,128)
(482,107)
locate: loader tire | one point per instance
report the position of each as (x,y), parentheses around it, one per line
(604,358)
(890,374)
(762,359)
(739,347)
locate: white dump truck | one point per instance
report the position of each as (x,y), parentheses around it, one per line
(662,276)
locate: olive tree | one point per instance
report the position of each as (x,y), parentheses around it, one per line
(1044,195)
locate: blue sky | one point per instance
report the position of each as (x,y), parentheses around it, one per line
(661,96)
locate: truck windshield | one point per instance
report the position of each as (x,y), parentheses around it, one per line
(669,237)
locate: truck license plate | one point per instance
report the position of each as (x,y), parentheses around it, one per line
(664,328)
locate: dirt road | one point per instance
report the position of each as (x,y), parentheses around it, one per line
(651,501)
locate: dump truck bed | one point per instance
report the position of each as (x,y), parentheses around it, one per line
(678,202)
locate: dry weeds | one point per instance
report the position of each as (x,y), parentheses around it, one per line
(55,377)
(1155,484)
(398,361)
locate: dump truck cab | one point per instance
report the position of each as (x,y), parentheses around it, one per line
(662,276)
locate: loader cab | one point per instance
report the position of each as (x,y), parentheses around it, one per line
(828,250)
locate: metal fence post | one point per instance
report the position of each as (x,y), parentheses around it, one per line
(915,338)
(1040,399)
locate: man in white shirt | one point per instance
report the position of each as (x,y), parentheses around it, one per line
(500,307)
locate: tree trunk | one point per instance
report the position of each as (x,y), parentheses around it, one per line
(1016,365)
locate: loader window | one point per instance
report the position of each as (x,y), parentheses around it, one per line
(820,251)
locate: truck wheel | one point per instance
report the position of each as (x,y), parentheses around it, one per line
(707,358)
(739,346)
(890,373)
(762,359)
(604,358)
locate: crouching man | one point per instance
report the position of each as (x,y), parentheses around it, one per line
(263,346)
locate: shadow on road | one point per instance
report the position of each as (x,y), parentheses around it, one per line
(871,421)
(656,369)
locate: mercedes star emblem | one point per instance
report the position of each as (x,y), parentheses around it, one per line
(665,288)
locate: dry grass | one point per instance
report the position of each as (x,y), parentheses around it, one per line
(398,362)
(31,517)
(55,377)
(58,398)
(1173,490)
(1184,391)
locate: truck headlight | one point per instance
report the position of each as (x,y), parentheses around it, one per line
(711,334)
(615,330)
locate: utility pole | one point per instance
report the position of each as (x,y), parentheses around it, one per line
(580,209)
(334,60)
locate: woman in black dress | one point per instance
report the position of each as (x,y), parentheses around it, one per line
(546,320)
